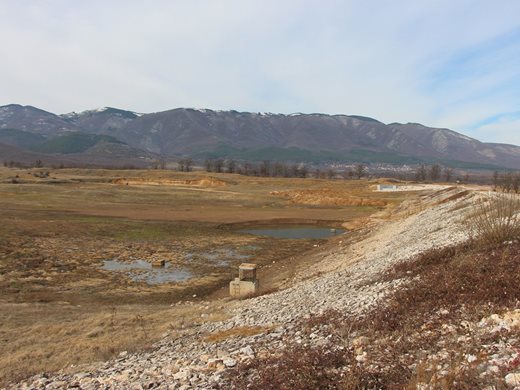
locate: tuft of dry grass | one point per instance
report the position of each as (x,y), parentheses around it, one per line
(451,277)
(296,367)
(495,220)
(34,341)
(243,331)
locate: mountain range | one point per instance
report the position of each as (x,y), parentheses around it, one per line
(111,136)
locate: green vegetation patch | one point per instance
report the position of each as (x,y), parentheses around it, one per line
(294,154)
(303,155)
(73,143)
(20,138)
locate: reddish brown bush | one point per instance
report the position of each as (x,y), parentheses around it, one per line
(464,275)
(296,367)
(467,280)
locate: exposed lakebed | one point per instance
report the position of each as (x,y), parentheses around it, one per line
(143,271)
(224,257)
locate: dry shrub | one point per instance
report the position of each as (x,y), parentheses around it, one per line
(496,220)
(243,331)
(459,376)
(461,275)
(468,280)
(337,326)
(296,367)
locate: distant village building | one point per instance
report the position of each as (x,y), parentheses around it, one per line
(386,187)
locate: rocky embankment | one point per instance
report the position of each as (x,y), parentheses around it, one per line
(347,280)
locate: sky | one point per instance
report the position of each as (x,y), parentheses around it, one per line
(443,63)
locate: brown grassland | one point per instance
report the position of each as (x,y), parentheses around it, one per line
(58,307)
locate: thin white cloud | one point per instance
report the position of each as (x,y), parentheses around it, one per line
(501,132)
(393,60)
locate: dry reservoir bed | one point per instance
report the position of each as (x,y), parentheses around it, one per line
(76,248)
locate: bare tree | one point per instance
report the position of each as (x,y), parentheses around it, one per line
(184,164)
(303,171)
(188,163)
(294,170)
(286,172)
(278,169)
(421,173)
(435,172)
(218,165)
(348,174)
(496,178)
(248,168)
(231,166)
(265,168)
(448,173)
(360,170)
(506,182)
(515,184)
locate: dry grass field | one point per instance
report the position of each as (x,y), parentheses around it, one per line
(59,307)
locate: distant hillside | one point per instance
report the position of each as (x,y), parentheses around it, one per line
(298,137)
(34,120)
(315,137)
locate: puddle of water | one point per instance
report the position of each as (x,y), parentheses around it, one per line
(249,247)
(140,270)
(296,232)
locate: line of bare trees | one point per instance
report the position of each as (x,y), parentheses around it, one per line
(66,165)
(506,182)
(268,168)
(183,165)
(265,168)
(17,164)
(433,172)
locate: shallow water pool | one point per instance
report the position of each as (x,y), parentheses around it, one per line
(298,232)
(140,270)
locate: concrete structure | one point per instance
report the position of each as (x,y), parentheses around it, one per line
(158,263)
(246,283)
(386,187)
